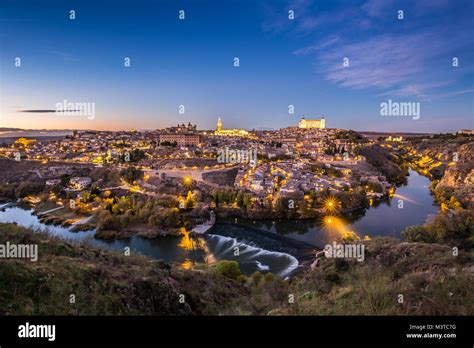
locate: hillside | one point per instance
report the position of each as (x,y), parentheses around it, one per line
(432,280)
(386,162)
(460,175)
(103,282)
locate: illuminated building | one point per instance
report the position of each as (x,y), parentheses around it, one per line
(304,123)
(25,142)
(394,139)
(182,139)
(79,183)
(229,132)
(182,135)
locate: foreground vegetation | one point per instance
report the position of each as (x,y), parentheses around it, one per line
(430,278)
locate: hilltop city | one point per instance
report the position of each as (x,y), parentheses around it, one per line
(290,161)
(184,189)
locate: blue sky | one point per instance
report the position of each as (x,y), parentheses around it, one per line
(282,62)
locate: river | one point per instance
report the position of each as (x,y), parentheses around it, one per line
(267,246)
(411,205)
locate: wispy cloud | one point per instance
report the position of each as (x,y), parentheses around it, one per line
(308,17)
(418,90)
(454,93)
(38,111)
(316,47)
(46,111)
(401,58)
(376,8)
(382,62)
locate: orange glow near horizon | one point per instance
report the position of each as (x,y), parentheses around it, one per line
(119,120)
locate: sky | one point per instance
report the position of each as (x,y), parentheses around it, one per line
(283,62)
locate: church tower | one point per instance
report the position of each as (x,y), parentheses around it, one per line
(322,124)
(302,123)
(219,124)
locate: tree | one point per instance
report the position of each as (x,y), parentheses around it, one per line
(247,200)
(171,218)
(374,186)
(96,191)
(135,156)
(215,197)
(28,188)
(190,200)
(240,199)
(454,228)
(281,208)
(131,174)
(228,269)
(86,196)
(105,221)
(64,180)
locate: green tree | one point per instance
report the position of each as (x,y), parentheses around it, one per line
(228,269)
(171,218)
(131,174)
(190,201)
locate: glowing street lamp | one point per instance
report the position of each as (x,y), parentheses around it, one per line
(331,204)
(187,180)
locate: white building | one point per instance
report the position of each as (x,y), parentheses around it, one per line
(80,183)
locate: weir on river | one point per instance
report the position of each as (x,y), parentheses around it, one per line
(267,246)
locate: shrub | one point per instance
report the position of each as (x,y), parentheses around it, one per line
(228,269)
(454,228)
(256,277)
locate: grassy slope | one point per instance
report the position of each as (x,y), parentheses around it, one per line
(430,278)
(103,282)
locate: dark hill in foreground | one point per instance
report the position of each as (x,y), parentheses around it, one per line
(431,279)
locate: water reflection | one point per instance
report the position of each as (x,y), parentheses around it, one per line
(184,250)
(411,204)
(257,245)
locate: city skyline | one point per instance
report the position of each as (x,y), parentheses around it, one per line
(283,62)
(305,159)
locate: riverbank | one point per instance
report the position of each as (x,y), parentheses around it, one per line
(432,280)
(271,236)
(103,282)
(183,250)
(143,231)
(412,204)
(52,213)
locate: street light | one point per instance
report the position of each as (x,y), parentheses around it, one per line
(331,203)
(187,180)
